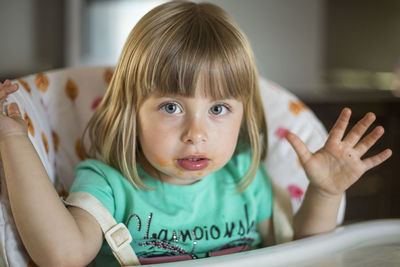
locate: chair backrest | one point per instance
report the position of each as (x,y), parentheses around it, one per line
(57,105)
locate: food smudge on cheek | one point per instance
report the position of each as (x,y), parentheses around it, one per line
(162,162)
(213,164)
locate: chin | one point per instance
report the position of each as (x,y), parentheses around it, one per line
(192,178)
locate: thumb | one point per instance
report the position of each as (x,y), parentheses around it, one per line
(13,111)
(301,149)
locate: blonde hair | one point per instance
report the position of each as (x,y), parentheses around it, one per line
(171,50)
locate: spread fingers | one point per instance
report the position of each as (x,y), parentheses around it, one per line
(359,129)
(301,149)
(377,159)
(368,141)
(337,131)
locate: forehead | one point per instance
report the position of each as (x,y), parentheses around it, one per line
(203,88)
(198,93)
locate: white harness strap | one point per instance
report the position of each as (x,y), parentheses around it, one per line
(117,235)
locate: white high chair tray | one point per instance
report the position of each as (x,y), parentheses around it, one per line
(373,243)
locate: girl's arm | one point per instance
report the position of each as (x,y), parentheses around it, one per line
(52,235)
(332,170)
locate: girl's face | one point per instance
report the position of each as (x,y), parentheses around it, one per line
(185,139)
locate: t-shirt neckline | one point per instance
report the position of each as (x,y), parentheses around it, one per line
(156,183)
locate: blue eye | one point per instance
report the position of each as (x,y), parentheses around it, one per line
(218,109)
(171,108)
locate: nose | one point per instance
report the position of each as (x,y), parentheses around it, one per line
(195,131)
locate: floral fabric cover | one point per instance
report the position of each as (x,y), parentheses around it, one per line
(57,105)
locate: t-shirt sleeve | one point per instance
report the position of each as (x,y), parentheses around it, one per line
(91,178)
(263,193)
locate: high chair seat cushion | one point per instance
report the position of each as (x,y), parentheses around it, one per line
(57,105)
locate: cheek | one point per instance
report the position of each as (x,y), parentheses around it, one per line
(155,140)
(150,137)
(228,133)
(225,141)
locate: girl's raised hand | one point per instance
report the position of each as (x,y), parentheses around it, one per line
(6,88)
(11,123)
(338,164)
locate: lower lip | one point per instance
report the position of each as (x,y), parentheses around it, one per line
(193,165)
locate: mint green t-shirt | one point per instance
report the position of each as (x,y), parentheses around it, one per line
(196,220)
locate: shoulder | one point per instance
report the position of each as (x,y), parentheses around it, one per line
(94,164)
(97,174)
(103,182)
(96,167)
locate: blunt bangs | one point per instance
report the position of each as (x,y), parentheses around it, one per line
(178,48)
(196,51)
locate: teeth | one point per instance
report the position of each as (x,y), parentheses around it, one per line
(194,159)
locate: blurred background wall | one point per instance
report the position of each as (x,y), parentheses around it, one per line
(331,53)
(31,36)
(306,46)
(287,36)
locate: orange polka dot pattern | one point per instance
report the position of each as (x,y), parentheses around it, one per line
(78,149)
(108,73)
(56,110)
(25,85)
(56,140)
(71,89)
(40,97)
(42,82)
(29,124)
(45,143)
(296,107)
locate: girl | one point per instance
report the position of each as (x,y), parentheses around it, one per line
(175,150)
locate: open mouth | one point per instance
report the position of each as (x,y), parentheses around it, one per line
(194,160)
(193,163)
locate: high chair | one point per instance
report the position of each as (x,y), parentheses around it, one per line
(56,105)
